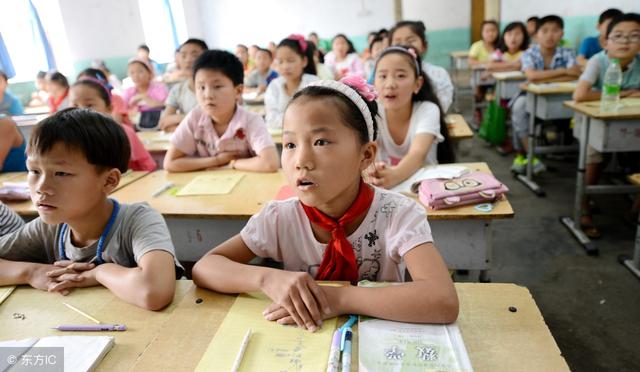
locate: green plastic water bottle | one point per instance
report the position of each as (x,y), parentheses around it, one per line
(610,98)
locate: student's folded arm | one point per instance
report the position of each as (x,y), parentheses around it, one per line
(170,118)
(225,269)
(265,161)
(414,160)
(536,76)
(150,285)
(585,92)
(429,298)
(29,273)
(177,161)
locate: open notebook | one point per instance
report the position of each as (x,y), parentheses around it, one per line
(81,353)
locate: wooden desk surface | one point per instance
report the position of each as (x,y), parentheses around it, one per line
(635,179)
(11,176)
(176,338)
(155,141)
(501,209)
(256,109)
(564,87)
(508,75)
(35,110)
(458,127)
(26,207)
(630,109)
(29,119)
(245,200)
(460,54)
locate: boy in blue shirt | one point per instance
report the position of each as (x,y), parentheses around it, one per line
(9,104)
(594,44)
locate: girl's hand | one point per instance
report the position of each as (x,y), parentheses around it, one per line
(223,158)
(299,295)
(137,99)
(383,176)
(280,315)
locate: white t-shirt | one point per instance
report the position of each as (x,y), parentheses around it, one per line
(425,118)
(276,99)
(441,84)
(393,226)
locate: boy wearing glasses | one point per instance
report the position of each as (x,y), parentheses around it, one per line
(623,43)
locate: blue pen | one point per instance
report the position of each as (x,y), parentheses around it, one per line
(346,350)
(347,325)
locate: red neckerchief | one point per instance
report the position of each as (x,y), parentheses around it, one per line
(339,261)
(55,103)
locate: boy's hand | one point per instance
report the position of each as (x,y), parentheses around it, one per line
(67,281)
(279,314)
(573,71)
(38,276)
(299,295)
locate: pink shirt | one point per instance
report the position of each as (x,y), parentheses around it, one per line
(156,91)
(393,226)
(246,135)
(140,159)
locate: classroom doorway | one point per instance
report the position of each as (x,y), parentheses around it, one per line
(481,10)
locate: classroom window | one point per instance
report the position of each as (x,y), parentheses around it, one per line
(164,27)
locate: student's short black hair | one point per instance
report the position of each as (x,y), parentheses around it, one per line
(3,75)
(41,75)
(242,46)
(348,110)
(58,77)
(625,17)
(417,27)
(349,43)
(97,136)
(198,42)
(263,50)
(94,73)
(502,45)
(376,39)
(552,18)
(294,45)
(144,47)
(608,14)
(535,19)
(223,61)
(383,32)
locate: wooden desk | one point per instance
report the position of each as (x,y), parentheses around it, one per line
(175,338)
(480,77)
(508,83)
(459,59)
(463,235)
(28,211)
(606,132)
(199,223)
(26,123)
(157,143)
(458,127)
(544,101)
(36,110)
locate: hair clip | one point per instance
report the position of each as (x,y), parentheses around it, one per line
(300,39)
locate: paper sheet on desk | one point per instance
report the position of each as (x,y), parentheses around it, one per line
(509,74)
(448,172)
(211,184)
(272,347)
(559,84)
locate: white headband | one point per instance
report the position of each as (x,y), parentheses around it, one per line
(353,96)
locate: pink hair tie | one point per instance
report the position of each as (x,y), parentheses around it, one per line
(358,83)
(300,39)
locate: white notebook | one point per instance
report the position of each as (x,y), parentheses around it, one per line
(81,353)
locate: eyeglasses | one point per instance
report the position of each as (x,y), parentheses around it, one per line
(623,39)
(466,183)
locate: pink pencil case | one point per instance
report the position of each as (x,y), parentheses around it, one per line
(472,188)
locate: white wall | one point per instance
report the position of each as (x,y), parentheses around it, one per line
(102,29)
(438,14)
(512,10)
(228,22)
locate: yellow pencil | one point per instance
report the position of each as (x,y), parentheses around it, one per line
(81,312)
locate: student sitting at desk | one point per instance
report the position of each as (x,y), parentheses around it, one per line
(343,59)
(220,132)
(81,237)
(413,33)
(513,43)
(294,61)
(9,104)
(623,43)
(58,88)
(119,111)
(412,127)
(544,62)
(338,228)
(592,45)
(93,94)
(262,74)
(182,97)
(12,147)
(480,51)
(146,94)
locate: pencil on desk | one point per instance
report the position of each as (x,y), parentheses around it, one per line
(164,188)
(243,347)
(81,312)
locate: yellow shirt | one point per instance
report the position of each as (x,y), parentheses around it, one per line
(479,52)
(508,57)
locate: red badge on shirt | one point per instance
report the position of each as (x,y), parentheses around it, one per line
(239,134)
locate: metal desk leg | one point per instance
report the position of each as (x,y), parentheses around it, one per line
(527,179)
(574,225)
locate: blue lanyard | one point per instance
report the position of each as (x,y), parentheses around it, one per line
(112,219)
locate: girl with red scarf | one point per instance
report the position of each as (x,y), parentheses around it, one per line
(338,228)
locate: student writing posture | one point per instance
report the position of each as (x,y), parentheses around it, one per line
(93,94)
(623,43)
(412,127)
(544,62)
(220,132)
(12,146)
(413,33)
(296,69)
(338,227)
(81,237)
(182,97)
